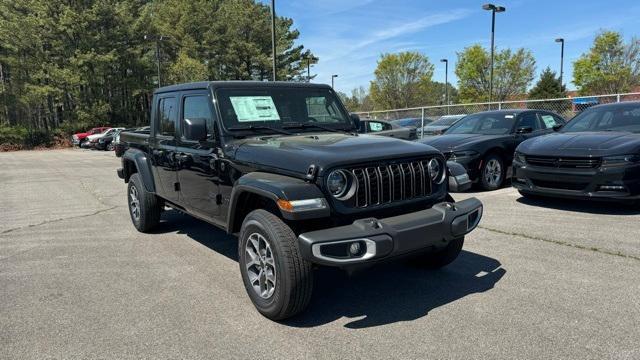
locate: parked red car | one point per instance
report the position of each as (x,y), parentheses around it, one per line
(79,138)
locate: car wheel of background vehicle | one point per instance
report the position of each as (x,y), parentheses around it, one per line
(442,257)
(144,207)
(110,147)
(492,172)
(277,279)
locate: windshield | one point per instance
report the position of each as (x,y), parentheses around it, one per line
(446,121)
(623,117)
(280,107)
(493,123)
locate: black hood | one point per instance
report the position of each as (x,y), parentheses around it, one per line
(455,142)
(296,153)
(582,144)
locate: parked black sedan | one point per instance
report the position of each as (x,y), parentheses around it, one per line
(595,156)
(484,142)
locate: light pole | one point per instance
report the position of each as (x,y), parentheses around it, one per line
(446,82)
(157,39)
(273,36)
(333,77)
(561,41)
(494,9)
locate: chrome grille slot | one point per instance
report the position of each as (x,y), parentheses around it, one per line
(564,162)
(387,183)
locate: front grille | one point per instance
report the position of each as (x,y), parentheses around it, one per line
(559,185)
(564,162)
(388,183)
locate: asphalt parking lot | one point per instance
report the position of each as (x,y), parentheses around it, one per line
(539,279)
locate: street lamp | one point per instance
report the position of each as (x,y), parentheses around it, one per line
(273,36)
(494,9)
(446,82)
(333,77)
(561,41)
(157,39)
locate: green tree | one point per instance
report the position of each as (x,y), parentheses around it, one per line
(401,80)
(549,87)
(358,101)
(513,73)
(74,64)
(609,67)
(435,94)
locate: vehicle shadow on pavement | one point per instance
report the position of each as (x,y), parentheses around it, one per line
(394,292)
(384,294)
(200,231)
(583,206)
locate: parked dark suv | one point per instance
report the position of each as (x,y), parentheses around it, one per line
(281,166)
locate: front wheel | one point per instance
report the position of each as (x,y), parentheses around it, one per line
(492,172)
(277,279)
(442,257)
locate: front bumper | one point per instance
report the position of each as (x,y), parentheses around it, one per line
(379,239)
(607,183)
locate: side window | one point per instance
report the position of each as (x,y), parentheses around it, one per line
(529,119)
(167,115)
(549,121)
(197,107)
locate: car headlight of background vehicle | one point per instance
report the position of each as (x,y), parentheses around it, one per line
(340,184)
(437,170)
(620,160)
(463,154)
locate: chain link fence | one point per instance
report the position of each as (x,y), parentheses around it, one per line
(566,107)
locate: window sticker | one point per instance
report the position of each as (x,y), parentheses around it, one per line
(375,126)
(549,121)
(254,108)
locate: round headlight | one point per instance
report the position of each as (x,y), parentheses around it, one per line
(436,170)
(337,183)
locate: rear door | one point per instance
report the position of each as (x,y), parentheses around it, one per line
(197,161)
(164,146)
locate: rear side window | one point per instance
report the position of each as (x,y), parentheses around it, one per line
(197,107)
(375,126)
(167,116)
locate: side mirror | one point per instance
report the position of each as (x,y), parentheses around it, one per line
(356,120)
(524,130)
(557,127)
(195,129)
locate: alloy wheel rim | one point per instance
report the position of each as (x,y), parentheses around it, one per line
(134,203)
(260,266)
(493,172)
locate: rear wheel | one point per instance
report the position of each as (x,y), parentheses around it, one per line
(277,279)
(110,147)
(144,207)
(492,172)
(442,257)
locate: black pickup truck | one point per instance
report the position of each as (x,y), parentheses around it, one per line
(281,166)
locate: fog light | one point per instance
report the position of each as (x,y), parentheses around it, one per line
(611,188)
(354,249)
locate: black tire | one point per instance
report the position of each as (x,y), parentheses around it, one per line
(149,206)
(486,162)
(293,274)
(110,147)
(442,257)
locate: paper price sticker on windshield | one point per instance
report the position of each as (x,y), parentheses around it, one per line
(254,108)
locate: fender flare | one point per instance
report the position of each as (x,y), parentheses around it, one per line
(143,167)
(274,187)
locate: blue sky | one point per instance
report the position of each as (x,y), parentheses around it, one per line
(349,35)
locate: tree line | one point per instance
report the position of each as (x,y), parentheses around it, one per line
(405,79)
(67,65)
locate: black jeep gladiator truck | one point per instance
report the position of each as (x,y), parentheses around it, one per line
(281,166)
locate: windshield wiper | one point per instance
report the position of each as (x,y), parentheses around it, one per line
(297,125)
(258,127)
